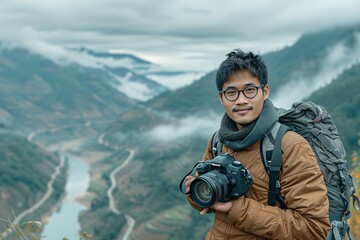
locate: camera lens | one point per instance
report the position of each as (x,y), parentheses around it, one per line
(209,188)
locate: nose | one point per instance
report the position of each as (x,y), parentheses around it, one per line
(241,99)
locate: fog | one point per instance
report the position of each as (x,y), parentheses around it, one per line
(186,127)
(176,81)
(131,89)
(337,59)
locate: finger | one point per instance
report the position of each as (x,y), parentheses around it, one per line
(187,178)
(188,181)
(204,211)
(222,206)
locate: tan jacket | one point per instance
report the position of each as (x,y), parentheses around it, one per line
(302,186)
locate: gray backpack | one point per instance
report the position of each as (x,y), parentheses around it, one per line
(314,123)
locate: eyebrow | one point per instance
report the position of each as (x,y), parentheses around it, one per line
(246,85)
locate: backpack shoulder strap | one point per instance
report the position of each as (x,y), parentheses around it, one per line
(274,165)
(271,156)
(216,145)
(267,146)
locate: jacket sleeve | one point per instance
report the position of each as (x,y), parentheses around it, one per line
(303,187)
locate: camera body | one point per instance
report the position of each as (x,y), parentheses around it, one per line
(219,179)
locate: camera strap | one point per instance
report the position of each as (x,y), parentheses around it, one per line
(183,179)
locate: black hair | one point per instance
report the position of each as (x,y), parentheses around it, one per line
(238,60)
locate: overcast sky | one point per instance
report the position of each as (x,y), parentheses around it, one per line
(179,34)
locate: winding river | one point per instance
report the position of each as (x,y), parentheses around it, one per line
(64,222)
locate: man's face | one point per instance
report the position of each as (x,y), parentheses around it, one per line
(243,110)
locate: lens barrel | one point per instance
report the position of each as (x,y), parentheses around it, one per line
(209,188)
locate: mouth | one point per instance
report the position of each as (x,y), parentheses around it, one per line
(242,110)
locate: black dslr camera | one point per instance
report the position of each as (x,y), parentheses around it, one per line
(219,180)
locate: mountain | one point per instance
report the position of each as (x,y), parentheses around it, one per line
(306,56)
(25,171)
(38,92)
(133,72)
(136,62)
(188,101)
(312,62)
(133,85)
(169,132)
(199,96)
(126,73)
(342,99)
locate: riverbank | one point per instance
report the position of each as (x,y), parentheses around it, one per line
(64,222)
(93,155)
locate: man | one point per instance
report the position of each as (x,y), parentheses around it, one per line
(249,114)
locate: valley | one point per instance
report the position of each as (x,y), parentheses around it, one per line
(69,150)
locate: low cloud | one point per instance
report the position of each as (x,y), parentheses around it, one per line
(186,35)
(177,80)
(186,127)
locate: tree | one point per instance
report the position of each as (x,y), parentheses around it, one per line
(355,171)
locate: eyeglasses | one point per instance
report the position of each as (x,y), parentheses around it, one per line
(232,94)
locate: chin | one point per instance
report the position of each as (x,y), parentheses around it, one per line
(243,122)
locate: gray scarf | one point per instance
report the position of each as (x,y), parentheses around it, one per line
(237,139)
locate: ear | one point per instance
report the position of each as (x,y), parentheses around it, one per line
(266,91)
(220,98)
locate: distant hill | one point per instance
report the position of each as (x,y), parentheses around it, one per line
(310,49)
(25,170)
(36,92)
(313,61)
(138,62)
(197,97)
(34,87)
(126,73)
(342,99)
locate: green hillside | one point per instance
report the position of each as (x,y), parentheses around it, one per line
(199,96)
(198,99)
(306,56)
(25,171)
(36,92)
(342,99)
